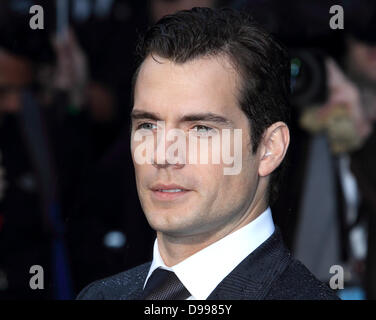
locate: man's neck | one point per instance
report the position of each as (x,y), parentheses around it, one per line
(174,249)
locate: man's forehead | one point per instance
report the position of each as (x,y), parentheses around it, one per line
(207,69)
(204,84)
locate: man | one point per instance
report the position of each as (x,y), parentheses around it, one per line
(203,73)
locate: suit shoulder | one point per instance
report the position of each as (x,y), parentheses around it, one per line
(298,283)
(115,286)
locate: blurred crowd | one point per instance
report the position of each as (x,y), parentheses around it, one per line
(68,199)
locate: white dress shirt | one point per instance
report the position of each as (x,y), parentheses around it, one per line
(203,271)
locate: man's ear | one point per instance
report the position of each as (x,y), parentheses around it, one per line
(273,147)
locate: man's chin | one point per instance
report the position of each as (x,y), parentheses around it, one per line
(173,228)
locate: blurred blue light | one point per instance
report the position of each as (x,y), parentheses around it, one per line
(353,293)
(114,239)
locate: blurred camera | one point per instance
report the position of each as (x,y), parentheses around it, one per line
(308,77)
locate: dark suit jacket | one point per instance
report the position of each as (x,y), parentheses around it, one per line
(269,272)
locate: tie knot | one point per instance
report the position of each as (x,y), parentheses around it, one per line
(164,285)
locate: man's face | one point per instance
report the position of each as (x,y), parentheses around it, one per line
(181,95)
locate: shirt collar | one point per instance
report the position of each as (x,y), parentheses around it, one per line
(202,272)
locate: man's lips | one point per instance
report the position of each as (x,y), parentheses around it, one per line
(168,191)
(172,186)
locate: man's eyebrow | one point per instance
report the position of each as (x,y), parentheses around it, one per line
(208,116)
(140,114)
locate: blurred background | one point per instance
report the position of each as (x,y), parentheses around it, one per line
(68,199)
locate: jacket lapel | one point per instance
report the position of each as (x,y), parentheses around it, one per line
(253,277)
(135,288)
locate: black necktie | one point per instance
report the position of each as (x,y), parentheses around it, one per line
(164,285)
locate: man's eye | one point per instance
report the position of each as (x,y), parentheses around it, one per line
(147,126)
(202,129)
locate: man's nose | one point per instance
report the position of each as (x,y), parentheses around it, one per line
(165,156)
